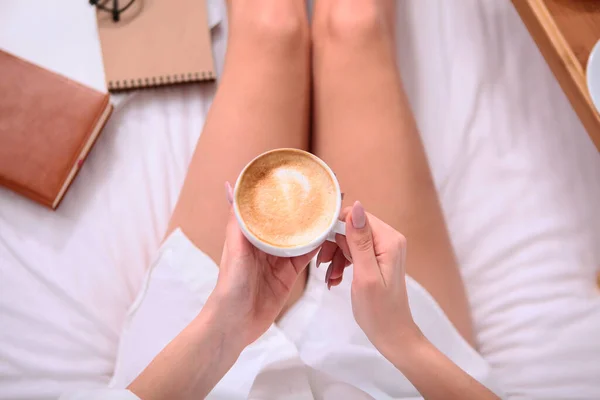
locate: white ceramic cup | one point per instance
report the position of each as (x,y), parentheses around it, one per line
(335,227)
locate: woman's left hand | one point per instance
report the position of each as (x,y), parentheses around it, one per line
(253,286)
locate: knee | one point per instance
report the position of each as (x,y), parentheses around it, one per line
(350,20)
(275,25)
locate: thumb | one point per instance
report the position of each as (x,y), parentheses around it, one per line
(235,241)
(360,241)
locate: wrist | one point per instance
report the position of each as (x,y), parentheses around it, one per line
(217,322)
(194,361)
(403,346)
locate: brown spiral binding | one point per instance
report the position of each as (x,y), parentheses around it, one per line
(153,81)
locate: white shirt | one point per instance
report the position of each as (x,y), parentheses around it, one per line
(317,351)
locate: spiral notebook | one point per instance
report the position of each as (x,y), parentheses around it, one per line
(155,43)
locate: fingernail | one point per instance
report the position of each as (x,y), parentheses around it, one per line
(328,274)
(319,260)
(348,256)
(359,218)
(329,286)
(229,193)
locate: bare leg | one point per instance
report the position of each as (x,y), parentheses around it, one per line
(365,130)
(262,103)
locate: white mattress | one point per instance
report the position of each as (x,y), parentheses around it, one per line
(517,175)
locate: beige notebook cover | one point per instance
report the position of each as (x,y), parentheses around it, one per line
(156,42)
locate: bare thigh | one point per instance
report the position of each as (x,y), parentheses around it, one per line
(364,128)
(262,103)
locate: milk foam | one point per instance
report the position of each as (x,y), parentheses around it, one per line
(286,198)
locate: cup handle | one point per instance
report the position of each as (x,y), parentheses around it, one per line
(338,228)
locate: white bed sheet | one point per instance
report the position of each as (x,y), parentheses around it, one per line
(517,175)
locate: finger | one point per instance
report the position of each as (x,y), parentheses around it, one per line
(342,243)
(229,193)
(235,244)
(335,271)
(338,264)
(390,247)
(301,262)
(344,213)
(398,246)
(232,230)
(360,242)
(327,252)
(334,283)
(328,274)
(340,240)
(235,241)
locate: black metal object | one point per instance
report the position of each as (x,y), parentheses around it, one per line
(114,9)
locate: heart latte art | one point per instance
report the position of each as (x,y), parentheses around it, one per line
(286,198)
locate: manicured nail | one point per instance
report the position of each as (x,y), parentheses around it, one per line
(328,274)
(229,193)
(348,256)
(329,286)
(319,259)
(359,218)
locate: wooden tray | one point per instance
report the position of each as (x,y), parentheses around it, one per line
(566,32)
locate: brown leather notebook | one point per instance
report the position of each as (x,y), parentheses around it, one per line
(48,124)
(155,43)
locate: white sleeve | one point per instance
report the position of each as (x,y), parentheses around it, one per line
(102,394)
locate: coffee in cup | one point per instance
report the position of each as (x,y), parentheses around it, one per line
(287,201)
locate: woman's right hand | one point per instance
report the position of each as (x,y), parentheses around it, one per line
(379,298)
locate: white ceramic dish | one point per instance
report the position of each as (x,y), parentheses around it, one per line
(593,75)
